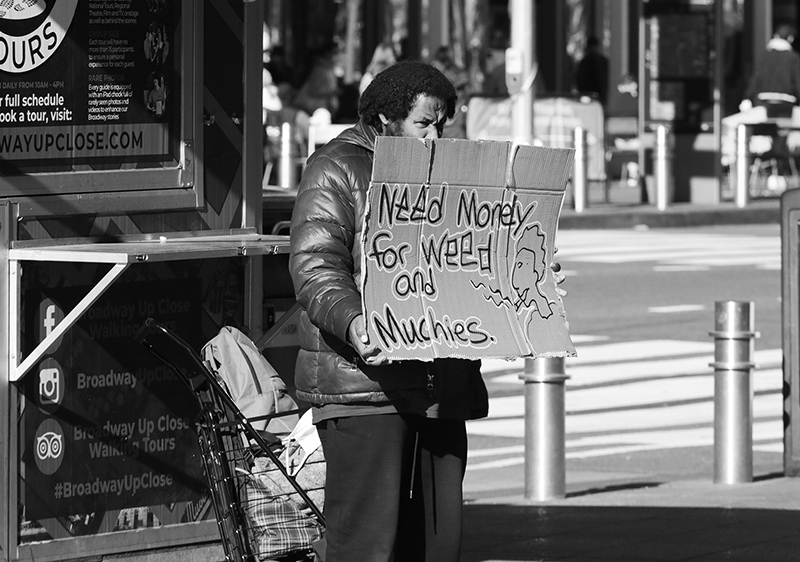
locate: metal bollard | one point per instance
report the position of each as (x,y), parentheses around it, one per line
(287,170)
(545,470)
(580,171)
(665,181)
(734,337)
(742,167)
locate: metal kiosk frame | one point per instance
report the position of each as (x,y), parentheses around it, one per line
(120,256)
(790,290)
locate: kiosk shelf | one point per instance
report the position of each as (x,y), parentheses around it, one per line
(121,254)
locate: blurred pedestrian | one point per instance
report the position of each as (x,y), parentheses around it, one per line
(383,57)
(321,89)
(591,76)
(494,79)
(772,91)
(775,82)
(278,66)
(443,60)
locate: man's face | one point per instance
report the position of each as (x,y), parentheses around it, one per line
(425,121)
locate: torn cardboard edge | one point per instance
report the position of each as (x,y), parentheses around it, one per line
(457,242)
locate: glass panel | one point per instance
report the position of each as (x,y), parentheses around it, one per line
(106,431)
(86,86)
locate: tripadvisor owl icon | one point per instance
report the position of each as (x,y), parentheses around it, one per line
(31,31)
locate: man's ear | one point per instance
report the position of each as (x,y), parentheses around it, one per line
(384,121)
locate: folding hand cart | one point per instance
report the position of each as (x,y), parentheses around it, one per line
(258,518)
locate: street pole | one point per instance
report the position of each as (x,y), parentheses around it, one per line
(665,187)
(287,171)
(580,182)
(734,332)
(742,166)
(520,69)
(545,447)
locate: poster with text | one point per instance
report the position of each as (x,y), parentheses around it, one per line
(105,425)
(457,245)
(88,83)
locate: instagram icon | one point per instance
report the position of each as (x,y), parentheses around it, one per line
(50,383)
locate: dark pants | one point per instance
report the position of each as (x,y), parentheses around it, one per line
(371,513)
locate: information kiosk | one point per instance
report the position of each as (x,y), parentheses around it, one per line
(130,187)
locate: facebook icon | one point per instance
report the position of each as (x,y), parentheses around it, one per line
(49,319)
(49,315)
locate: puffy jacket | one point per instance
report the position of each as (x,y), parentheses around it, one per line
(325,265)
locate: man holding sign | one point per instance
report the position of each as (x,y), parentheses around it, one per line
(393,432)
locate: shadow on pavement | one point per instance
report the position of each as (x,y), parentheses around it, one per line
(614,488)
(585,533)
(770,476)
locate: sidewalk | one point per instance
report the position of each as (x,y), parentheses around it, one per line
(625,211)
(632,519)
(691,520)
(663,505)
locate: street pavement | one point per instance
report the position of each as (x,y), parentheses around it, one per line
(614,509)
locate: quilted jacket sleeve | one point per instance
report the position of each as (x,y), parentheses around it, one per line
(322,236)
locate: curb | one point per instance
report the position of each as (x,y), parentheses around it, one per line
(678,215)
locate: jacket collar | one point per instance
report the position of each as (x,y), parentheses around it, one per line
(361,134)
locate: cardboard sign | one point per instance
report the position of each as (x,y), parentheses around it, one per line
(458,241)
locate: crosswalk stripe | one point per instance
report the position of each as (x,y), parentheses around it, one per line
(603,373)
(676,308)
(680,267)
(632,350)
(512,424)
(566,239)
(724,255)
(731,260)
(619,444)
(697,250)
(633,396)
(496,451)
(608,352)
(588,367)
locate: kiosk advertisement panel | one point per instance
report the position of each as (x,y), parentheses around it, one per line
(104,426)
(89,85)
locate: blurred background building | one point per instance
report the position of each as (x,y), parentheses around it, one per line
(680,63)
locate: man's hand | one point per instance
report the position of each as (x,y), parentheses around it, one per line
(359,339)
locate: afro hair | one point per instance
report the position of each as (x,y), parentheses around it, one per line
(394,91)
